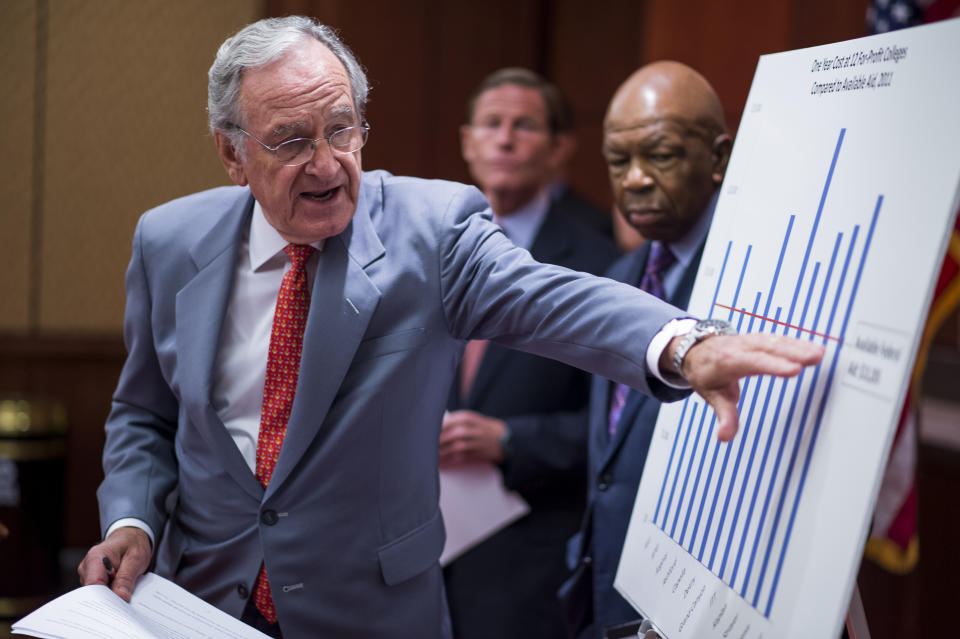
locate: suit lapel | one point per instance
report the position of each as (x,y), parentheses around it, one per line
(552,242)
(635,401)
(341,304)
(635,272)
(200,310)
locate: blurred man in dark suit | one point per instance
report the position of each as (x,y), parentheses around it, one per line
(523,413)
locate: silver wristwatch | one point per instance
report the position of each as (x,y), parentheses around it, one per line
(700,331)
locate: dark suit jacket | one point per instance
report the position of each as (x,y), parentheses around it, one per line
(615,468)
(506,586)
(574,205)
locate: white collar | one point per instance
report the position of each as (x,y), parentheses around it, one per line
(522,225)
(265,241)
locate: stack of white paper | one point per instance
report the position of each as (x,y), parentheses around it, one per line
(159,609)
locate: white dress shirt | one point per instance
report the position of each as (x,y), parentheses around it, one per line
(241,365)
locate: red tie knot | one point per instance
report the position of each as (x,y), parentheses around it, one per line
(298,253)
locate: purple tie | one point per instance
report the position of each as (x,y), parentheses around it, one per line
(659,260)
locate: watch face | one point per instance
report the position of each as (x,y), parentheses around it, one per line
(714,326)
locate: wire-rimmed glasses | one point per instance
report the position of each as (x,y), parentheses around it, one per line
(299,150)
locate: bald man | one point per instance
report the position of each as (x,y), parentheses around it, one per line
(666,150)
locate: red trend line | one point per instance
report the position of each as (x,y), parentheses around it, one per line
(770,319)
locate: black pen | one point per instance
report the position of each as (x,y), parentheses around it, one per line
(111,571)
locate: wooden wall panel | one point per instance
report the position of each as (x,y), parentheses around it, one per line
(921,603)
(396,108)
(593,52)
(122,125)
(125,130)
(819,22)
(423,59)
(472,40)
(18,69)
(724,40)
(721,40)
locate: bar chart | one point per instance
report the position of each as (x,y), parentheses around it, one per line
(790,418)
(762,536)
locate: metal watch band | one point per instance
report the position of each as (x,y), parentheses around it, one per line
(700,331)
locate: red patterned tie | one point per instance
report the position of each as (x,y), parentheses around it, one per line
(280,385)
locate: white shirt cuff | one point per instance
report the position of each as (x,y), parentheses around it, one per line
(673,328)
(131,522)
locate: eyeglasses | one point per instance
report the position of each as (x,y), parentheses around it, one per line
(299,150)
(487,128)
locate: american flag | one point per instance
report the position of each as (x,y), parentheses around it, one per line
(888,15)
(893,538)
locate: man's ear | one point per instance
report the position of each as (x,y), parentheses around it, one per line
(466,143)
(563,146)
(230,158)
(722,144)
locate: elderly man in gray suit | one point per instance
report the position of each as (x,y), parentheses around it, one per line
(272,443)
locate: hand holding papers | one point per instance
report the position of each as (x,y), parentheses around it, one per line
(159,609)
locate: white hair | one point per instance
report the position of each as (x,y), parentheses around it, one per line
(259,44)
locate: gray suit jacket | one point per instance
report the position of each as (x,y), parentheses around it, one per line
(349,527)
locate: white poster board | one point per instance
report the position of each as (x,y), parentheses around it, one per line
(831,226)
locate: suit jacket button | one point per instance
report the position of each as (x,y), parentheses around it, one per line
(604,481)
(243,591)
(269,517)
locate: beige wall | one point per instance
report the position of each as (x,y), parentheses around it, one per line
(16,159)
(119,127)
